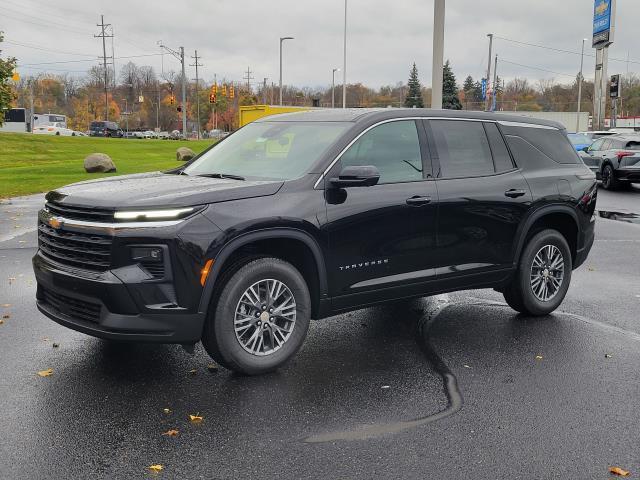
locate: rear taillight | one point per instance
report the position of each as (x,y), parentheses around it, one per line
(621,154)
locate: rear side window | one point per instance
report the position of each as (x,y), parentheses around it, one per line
(463,148)
(550,141)
(633,145)
(501,157)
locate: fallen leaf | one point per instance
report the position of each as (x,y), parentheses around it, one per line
(607,355)
(193,372)
(591,269)
(1,322)
(166,410)
(55,345)
(466,366)
(46,373)
(6,315)
(538,357)
(171,433)
(618,471)
(212,367)
(195,418)
(384,387)
(156,468)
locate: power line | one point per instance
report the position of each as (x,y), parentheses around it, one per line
(37,47)
(90,60)
(43,24)
(537,68)
(560,50)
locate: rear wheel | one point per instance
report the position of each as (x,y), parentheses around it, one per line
(609,181)
(261,316)
(543,275)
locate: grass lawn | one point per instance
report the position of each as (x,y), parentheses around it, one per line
(38,163)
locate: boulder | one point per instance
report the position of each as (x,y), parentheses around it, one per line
(184,154)
(99,163)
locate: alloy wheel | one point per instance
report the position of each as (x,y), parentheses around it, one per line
(547,273)
(265,317)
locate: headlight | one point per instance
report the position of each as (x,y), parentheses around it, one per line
(147,215)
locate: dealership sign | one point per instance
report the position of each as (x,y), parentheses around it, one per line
(603,20)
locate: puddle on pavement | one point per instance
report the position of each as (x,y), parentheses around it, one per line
(450,384)
(620,216)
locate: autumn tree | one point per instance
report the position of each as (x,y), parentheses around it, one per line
(6,92)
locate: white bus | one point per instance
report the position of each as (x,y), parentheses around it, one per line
(40,119)
(15,121)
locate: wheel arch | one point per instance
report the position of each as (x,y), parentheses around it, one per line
(232,249)
(552,216)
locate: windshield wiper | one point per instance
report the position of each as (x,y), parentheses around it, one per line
(221,175)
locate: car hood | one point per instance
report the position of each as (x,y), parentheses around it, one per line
(158,189)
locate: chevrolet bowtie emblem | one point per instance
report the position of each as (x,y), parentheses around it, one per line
(55,223)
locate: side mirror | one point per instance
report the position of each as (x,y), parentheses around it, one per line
(585,149)
(356,176)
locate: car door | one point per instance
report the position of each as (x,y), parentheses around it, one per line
(482,196)
(382,237)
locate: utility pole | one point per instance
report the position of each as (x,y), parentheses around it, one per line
(264,90)
(196,64)
(494,101)
(438,54)
(180,56)
(488,99)
(333,87)
(215,120)
(580,76)
(104,36)
(282,39)
(248,78)
(344,60)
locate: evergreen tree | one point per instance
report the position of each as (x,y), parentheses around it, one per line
(414,95)
(450,98)
(6,73)
(477,92)
(468,85)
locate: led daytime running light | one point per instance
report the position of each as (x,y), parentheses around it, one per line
(152,214)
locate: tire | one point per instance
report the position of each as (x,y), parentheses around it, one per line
(609,181)
(520,294)
(236,351)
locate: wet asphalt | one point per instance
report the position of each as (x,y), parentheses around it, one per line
(453,386)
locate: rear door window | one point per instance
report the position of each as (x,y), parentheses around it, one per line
(501,157)
(463,148)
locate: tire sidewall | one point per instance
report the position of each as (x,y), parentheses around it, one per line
(610,180)
(227,343)
(530,301)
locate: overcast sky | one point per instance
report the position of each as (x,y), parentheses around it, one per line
(384,37)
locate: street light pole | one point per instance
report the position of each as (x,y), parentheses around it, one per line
(333,87)
(487,100)
(438,54)
(580,87)
(282,39)
(344,60)
(180,56)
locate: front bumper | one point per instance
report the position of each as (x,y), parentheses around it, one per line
(104,306)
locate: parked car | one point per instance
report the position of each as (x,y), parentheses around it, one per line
(311,214)
(176,135)
(105,129)
(54,129)
(132,134)
(580,141)
(163,135)
(149,134)
(614,160)
(76,133)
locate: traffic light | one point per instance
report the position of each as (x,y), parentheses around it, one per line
(212,98)
(614,86)
(231,92)
(224,90)
(172,99)
(214,89)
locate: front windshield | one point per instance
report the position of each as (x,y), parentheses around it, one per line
(579,139)
(269,150)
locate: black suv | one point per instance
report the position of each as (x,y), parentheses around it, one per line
(105,129)
(307,215)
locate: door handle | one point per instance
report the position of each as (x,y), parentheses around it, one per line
(514,193)
(417,201)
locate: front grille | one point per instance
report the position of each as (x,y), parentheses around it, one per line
(71,307)
(80,213)
(79,250)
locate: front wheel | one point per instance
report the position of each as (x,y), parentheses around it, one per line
(543,275)
(609,181)
(259,318)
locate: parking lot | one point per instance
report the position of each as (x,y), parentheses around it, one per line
(452,386)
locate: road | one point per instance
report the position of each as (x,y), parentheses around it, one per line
(454,386)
